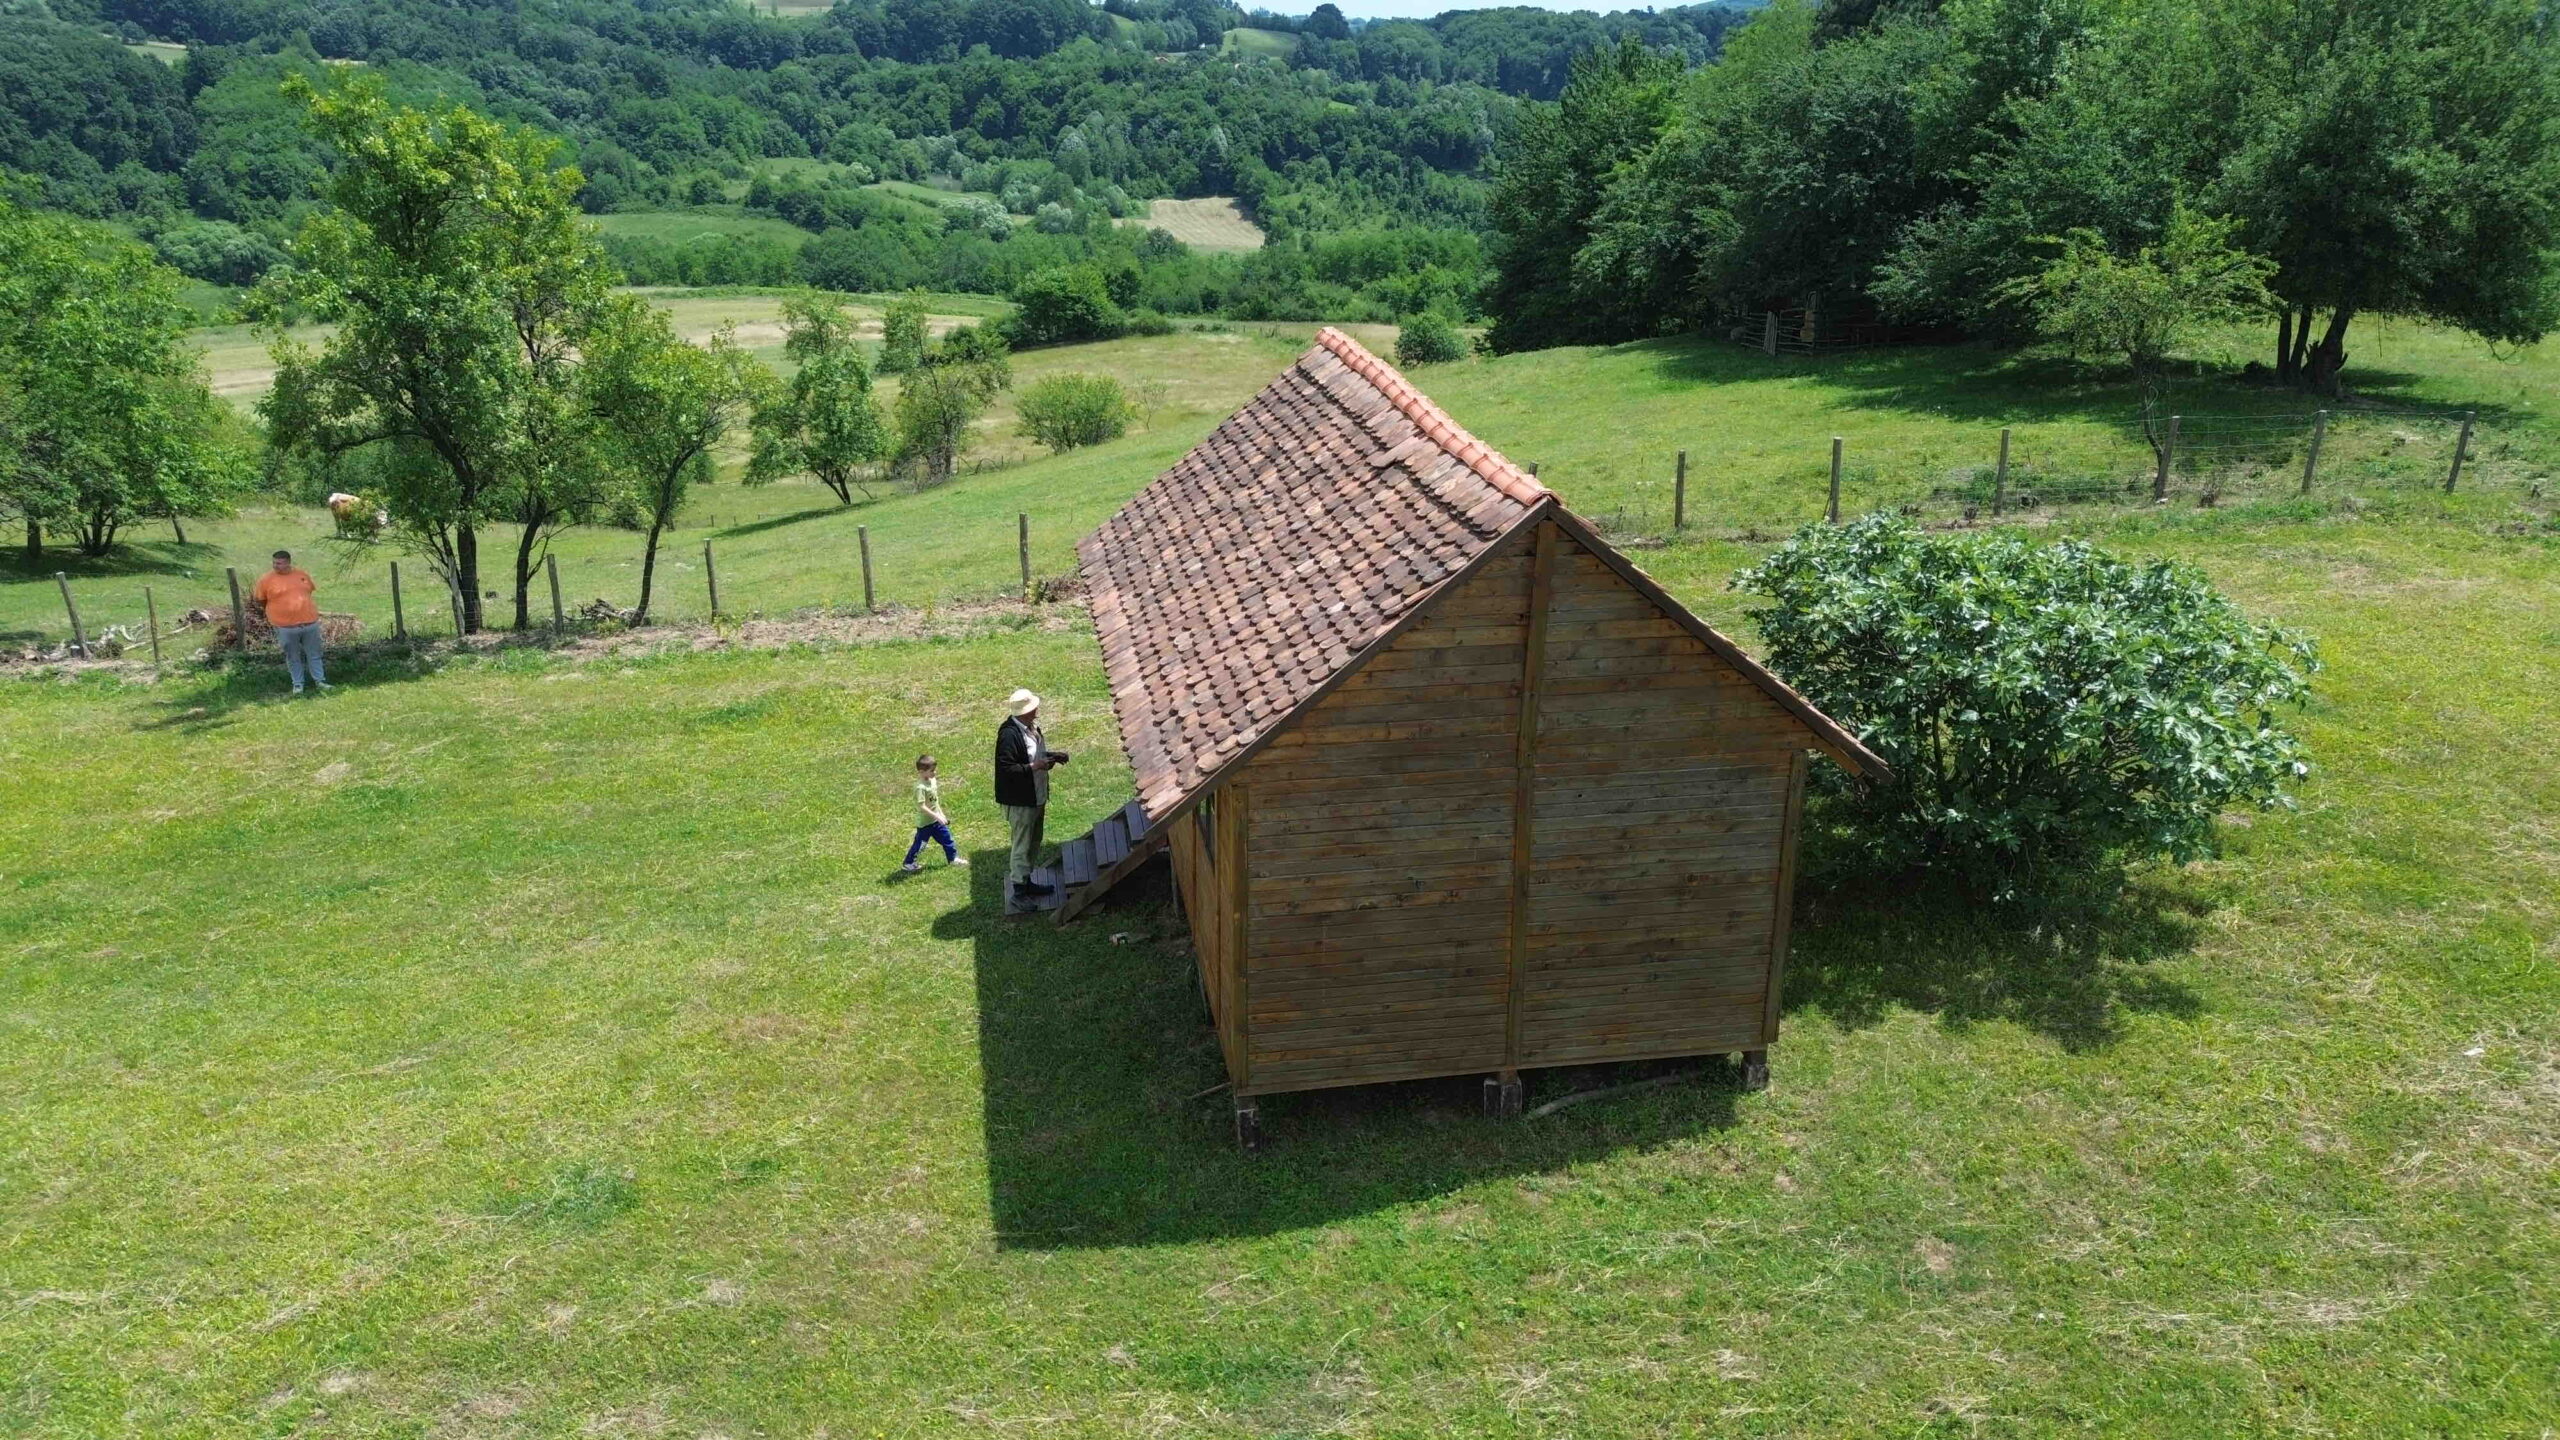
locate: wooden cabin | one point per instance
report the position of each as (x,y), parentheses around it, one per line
(1448,785)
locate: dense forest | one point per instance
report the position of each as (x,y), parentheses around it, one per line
(1931,164)
(1361,155)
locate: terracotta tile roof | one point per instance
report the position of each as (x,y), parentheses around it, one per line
(1240,581)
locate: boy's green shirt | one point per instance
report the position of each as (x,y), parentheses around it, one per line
(929,801)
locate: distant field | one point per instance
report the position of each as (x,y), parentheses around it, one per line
(681,226)
(1278,44)
(167,52)
(1214,222)
(241,371)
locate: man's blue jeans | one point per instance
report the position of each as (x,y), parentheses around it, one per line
(301,647)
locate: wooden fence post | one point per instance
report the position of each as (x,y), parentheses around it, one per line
(399,615)
(2311,461)
(2168,456)
(151,608)
(1834,511)
(711,578)
(559,618)
(1769,333)
(453,592)
(2000,476)
(1025,529)
(79,638)
(862,537)
(1533,469)
(2461,449)
(239,612)
(1680,491)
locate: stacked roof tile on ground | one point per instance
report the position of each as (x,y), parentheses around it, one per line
(1245,577)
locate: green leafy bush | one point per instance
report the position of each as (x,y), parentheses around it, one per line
(2047,709)
(1065,411)
(1429,339)
(1063,305)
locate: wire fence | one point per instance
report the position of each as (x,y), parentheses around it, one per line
(2195,461)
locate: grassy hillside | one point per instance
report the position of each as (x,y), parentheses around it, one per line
(1212,222)
(681,226)
(1243,40)
(543,1044)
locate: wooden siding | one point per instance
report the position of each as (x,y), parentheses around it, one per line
(1381,838)
(1658,830)
(1409,910)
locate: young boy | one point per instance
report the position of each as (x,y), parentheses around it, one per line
(931,823)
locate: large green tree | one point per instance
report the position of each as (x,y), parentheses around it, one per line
(104,415)
(461,282)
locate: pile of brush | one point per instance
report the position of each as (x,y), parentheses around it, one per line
(335,630)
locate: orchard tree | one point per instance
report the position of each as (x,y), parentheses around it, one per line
(2136,310)
(903,334)
(671,404)
(1067,411)
(462,282)
(104,415)
(939,403)
(825,421)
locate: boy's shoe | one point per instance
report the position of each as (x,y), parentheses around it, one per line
(325,686)
(960,860)
(911,867)
(297,689)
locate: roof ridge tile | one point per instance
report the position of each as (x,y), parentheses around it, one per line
(1431,419)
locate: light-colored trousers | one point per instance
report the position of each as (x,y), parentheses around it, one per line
(1024,821)
(301,647)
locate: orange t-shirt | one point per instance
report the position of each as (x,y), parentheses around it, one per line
(286,598)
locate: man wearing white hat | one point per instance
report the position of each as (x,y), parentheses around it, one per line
(1023,762)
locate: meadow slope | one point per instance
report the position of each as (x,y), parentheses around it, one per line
(541,1043)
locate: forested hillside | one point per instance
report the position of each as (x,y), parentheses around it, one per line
(1926,163)
(952,144)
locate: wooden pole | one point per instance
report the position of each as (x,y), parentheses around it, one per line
(1533,469)
(399,614)
(862,537)
(239,612)
(2168,455)
(151,607)
(1835,480)
(1503,1094)
(2311,461)
(1769,332)
(559,618)
(79,639)
(1680,491)
(2000,476)
(711,578)
(1025,528)
(2461,449)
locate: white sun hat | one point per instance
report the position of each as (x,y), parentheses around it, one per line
(1022,702)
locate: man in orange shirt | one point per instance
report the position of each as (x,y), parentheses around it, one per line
(284,596)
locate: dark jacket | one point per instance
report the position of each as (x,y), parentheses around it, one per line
(1016,782)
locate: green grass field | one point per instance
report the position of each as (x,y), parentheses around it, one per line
(540,1043)
(1243,40)
(683,226)
(1213,223)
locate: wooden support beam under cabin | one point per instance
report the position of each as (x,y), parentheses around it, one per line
(1790,836)
(1524,781)
(1232,864)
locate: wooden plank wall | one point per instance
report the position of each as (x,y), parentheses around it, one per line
(1381,856)
(1658,824)
(1204,902)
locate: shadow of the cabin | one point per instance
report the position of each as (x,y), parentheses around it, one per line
(1107,1122)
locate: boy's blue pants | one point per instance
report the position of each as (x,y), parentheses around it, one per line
(938,833)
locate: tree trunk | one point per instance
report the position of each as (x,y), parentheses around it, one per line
(2284,344)
(35,540)
(2301,344)
(180,526)
(648,574)
(524,577)
(2329,357)
(837,483)
(466,575)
